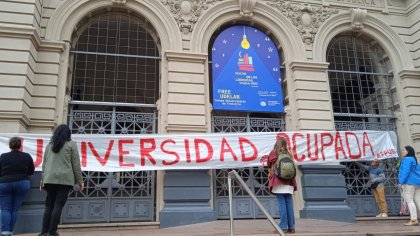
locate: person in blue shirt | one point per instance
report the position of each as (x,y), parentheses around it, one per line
(377,179)
(409,180)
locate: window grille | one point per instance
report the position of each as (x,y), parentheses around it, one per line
(116,59)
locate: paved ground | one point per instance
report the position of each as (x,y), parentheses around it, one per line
(304,227)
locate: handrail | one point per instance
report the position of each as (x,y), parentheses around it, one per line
(241,181)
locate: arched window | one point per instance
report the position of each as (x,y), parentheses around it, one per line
(116,59)
(361,92)
(360,83)
(231,120)
(115,63)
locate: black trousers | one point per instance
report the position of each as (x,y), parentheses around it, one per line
(57,195)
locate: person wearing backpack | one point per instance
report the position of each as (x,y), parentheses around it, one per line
(409,181)
(377,179)
(283,184)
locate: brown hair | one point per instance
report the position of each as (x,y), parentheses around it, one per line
(280,146)
(15,143)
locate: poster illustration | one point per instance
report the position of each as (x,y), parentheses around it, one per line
(246,71)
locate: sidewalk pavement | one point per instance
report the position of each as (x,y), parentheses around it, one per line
(304,227)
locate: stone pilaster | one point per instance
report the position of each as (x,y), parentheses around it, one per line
(185,93)
(311,99)
(323,187)
(410,86)
(186,194)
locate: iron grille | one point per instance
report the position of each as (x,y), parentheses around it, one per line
(256,178)
(116,59)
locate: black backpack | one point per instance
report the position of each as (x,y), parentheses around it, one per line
(284,168)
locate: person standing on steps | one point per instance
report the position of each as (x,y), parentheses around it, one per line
(377,179)
(15,169)
(409,181)
(60,172)
(282,188)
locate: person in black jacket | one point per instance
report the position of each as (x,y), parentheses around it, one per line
(15,168)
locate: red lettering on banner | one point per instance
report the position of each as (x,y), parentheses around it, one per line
(101,160)
(228,149)
(351,155)
(187,150)
(162,147)
(339,146)
(301,158)
(198,157)
(241,146)
(145,152)
(122,152)
(325,144)
(366,143)
(386,153)
(84,155)
(39,152)
(308,147)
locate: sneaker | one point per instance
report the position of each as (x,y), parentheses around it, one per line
(380,215)
(384,215)
(412,223)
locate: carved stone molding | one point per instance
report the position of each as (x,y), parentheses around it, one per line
(247,7)
(187,12)
(306,18)
(119,1)
(358,17)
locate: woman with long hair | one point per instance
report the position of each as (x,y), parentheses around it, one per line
(60,172)
(283,189)
(15,169)
(409,180)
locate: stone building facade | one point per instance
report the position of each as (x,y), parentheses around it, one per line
(346,65)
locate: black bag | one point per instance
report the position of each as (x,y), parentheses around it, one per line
(285,167)
(374,185)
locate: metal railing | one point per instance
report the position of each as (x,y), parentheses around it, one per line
(245,186)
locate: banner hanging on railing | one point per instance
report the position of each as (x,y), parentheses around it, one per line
(112,153)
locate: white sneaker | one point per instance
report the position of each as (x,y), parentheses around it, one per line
(384,215)
(378,216)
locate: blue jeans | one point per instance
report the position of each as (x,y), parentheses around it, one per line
(11,198)
(287,215)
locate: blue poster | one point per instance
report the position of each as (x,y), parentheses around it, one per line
(246,71)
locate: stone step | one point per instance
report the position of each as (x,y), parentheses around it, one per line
(114,226)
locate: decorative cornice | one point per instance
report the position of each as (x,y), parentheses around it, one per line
(187,12)
(16,116)
(185,57)
(409,74)
(358,17)
(119,1)
(29,32)
(247,7)
(306,18)
(308,66)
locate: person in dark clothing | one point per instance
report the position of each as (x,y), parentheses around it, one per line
(15,168)
(60,171)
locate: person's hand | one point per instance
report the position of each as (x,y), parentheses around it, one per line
(81,186)
(41,187)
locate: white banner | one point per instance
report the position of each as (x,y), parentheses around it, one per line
(112,153)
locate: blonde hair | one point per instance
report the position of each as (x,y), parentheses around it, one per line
(281,146)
